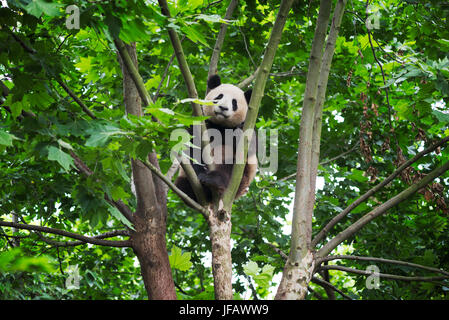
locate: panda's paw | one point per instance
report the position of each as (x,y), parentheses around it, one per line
(213,180)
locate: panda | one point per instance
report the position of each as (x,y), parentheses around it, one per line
(227,114)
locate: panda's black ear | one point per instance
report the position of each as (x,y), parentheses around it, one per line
(213,82)
(248,94)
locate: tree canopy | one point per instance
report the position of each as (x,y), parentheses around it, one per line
(67,141)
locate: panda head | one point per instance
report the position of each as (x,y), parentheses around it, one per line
(231,103)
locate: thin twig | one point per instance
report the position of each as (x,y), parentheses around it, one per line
(290,176)
(383,77)
(175,189)
(32,51)
(320,236)
(278,251)
(164,75)
(381,209)
(252,288)
(382,275)
(247,49)
(382,260)
(76,98)
(58,244)
(329,285)
(256,97)
(213,66)
(85,239)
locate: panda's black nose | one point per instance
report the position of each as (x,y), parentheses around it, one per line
(223,108)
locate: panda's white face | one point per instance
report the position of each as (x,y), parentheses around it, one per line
(230,103)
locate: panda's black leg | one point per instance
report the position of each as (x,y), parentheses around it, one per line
(218,179)
(184,184)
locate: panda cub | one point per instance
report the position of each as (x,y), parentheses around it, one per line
(226,116)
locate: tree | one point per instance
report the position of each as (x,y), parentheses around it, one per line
(85,109)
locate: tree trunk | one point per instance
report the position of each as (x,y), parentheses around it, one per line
(220,237)
(149,245)
(148,239)
(296,278)
(299,267)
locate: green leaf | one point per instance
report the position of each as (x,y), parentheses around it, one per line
(114,25)
(6,138)
(197,101)
(179,260)
(357,175)
(212,18)
(444,43)
(443,117)
(261,276)
(14,260)
(37,7)
(64,159)
(64,144)
(100,135)
(251,268)
(193,34)
(120,217)
(117,193)
(153,82)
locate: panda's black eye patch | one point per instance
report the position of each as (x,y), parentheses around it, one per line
(219,96)
(234,104)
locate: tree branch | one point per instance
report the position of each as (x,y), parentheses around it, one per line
(299,267)
(182,62)
(382,275)
(383,77)
(77,243)
(382,260)
(85,239)
(122,207)
(278,251)
(76,98)
(119,204)
(175,189)
(302,209)
(321,94)
(213,69)
(194,182)
(144,95)
(32,51)
(320,236)
(329,285)
(246,82)
(256,98)
(164,75)
(133,72)
(197,111)
(381,209)
(322,163)
(173,169)
(83,168)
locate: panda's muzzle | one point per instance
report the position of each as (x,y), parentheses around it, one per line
(222,114)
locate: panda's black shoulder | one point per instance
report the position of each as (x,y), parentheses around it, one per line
(221,128)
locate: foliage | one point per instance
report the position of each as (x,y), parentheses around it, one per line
(39,183)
